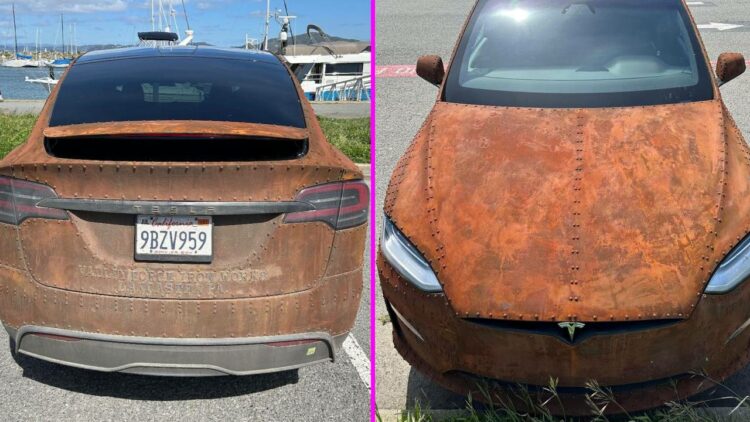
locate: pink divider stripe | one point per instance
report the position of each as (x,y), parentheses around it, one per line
(410,70)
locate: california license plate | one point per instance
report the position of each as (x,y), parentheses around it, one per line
(173,238)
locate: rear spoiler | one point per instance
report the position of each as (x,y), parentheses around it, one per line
(186,128)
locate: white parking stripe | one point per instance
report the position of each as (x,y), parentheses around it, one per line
(359,359)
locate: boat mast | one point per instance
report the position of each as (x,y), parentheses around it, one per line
(62,28)
(15,31)
(161,16)
(153,21)
(268,23)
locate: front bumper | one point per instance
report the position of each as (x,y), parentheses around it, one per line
(174,357)
(644,367)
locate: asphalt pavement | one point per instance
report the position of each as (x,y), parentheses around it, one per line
(409,29)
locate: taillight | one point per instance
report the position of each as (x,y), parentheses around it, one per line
(340,205)
(19,199)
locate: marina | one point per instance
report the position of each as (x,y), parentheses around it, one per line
(14,87)
(329,69)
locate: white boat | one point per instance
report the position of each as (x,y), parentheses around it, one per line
(167,16)
(63,62)
(17,63)
(328,70)
(333,71)
(20,60)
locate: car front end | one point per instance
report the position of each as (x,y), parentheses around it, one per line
(571,218)
(526,262)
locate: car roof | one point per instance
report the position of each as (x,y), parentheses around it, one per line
(178,51)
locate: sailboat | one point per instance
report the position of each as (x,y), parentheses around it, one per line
(61,62)
(168,21)
(20,59)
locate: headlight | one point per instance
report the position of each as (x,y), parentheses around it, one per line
(732,271)
(406,259)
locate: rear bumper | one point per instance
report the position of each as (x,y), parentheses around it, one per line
(175,356)
(329,307)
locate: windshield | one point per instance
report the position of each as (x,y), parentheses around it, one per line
(550,53)
(178,88)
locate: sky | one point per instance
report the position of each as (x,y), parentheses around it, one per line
(219,22)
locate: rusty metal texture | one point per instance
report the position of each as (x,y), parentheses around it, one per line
(582,214)
(330,307)
(176,126)
(431,69)
(730,64)
(644,359)
(600,214)
(267,278)
(603,215)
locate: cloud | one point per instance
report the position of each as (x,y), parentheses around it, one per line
(211,4)
(68,6)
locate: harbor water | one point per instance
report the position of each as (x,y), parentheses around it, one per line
(13,86)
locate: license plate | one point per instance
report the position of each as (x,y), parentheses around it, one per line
(173,238)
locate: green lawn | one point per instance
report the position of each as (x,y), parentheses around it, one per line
(351,136)
(13,131)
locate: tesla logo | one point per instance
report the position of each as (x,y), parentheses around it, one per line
(571,327)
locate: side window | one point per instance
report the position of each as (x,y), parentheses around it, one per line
(317,73)
(344,69)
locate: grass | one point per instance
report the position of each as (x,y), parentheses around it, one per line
(13,131)
(351,136)
(597,399)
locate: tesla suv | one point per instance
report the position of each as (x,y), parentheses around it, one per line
(575,207)
(178,211)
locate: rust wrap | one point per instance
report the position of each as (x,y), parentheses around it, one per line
(549,214)
(267,277)
(614,218)
(638,366)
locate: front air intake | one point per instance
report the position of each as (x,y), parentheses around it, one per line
(582,332)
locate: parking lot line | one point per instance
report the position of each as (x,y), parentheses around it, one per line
(359,359)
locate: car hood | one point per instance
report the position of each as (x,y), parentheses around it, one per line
(571,214)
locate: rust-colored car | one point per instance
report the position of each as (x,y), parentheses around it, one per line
(178,211)
(576,206)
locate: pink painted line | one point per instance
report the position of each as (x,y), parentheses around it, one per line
(396,71)
(410,70)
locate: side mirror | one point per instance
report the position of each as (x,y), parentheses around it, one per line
(730,66)
(430,68)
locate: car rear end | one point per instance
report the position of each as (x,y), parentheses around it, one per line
(180,213)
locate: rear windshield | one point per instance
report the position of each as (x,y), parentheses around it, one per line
(178,88)
(584,53)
